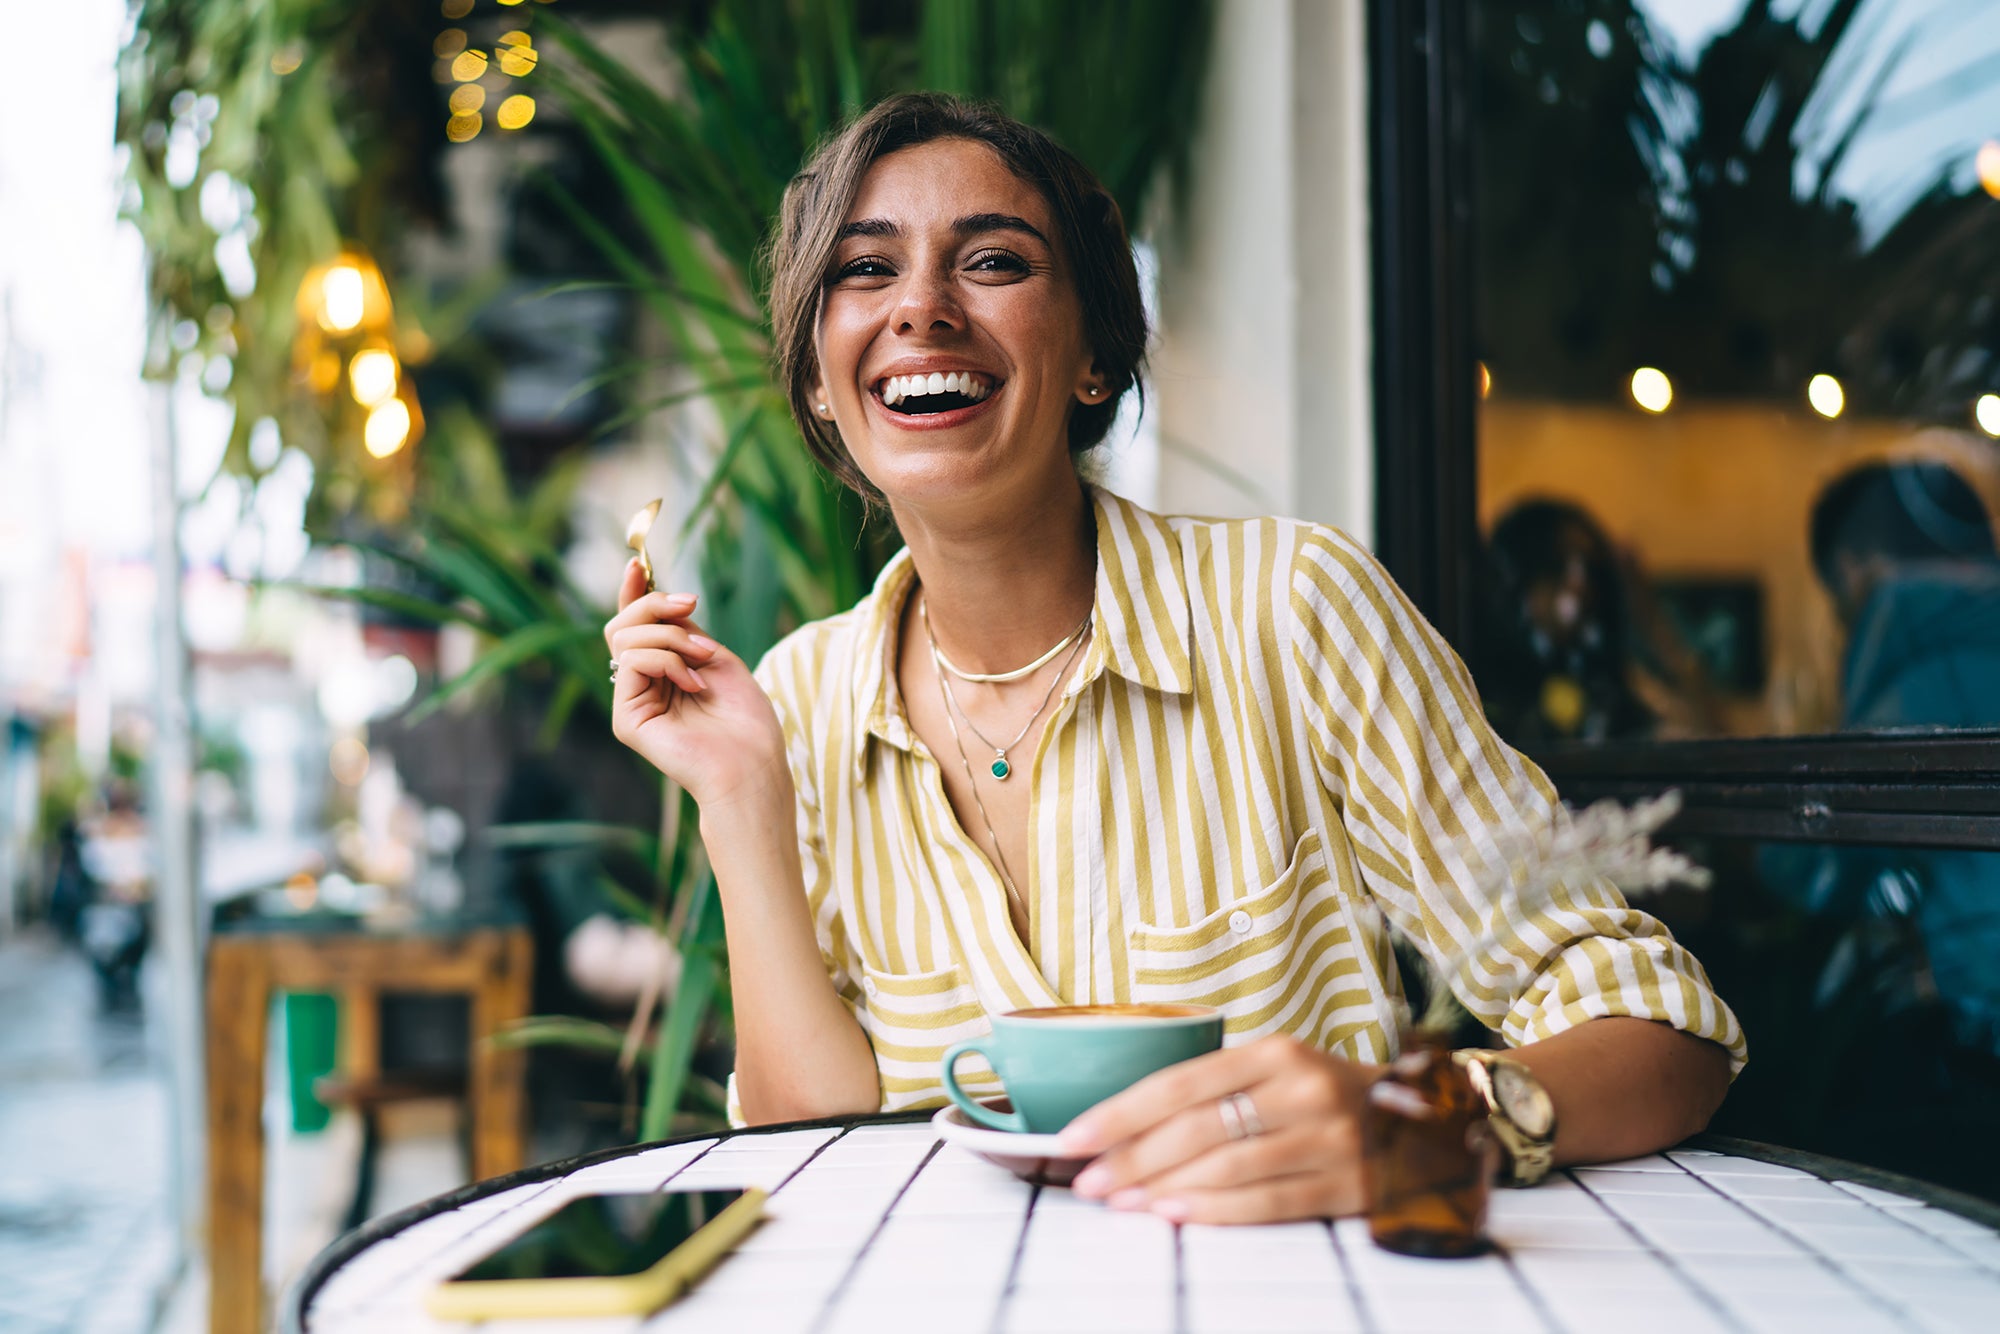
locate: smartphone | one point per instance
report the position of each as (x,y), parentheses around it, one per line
(619,1253)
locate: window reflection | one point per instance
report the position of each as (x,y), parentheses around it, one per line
(1867,979)
(1732,257)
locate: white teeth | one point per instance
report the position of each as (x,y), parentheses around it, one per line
(897,388)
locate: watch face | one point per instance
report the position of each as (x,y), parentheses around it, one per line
(1523,1098)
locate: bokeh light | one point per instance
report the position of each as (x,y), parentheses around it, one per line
(1825,395)
(1987,413)
(287,59)
(341,299)
(456,9)
(516,53)
(387,429)
(1651,389)
(463,126)
(467,97)
(348,761)
(1987,163)
(1485,380)
(449,43)
(373,375)
(515,112)
(468,65)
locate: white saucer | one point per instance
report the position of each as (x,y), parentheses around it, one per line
(1031,1157)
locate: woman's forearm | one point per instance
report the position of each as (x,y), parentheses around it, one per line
(799,1052)
(1624,1087)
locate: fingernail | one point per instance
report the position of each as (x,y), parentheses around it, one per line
(1174,1211)
(704,643)
(1075,1141)
(1092,1182)
(695,676)
(1132,1197)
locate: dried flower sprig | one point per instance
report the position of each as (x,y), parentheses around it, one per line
(1607,840)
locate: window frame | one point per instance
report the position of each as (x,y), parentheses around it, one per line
(1929,788)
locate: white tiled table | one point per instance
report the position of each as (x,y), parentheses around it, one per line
(880,1227)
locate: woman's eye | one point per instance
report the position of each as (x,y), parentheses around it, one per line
(868,266)
(998,261)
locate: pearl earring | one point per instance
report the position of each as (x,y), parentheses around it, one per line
(1093,391)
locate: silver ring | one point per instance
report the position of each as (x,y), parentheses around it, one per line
(1239,1116)
(614,671)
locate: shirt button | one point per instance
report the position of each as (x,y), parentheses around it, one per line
(868,985)
(1239,922)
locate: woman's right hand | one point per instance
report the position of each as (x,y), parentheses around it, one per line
(686,703)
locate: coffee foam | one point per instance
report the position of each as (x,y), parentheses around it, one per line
(1128,1011)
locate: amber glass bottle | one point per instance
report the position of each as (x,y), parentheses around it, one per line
(1430,1155)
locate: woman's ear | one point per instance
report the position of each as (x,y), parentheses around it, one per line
(1090,388)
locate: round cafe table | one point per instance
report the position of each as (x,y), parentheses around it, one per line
(877,1225)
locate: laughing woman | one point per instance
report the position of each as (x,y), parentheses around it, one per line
(1070,751)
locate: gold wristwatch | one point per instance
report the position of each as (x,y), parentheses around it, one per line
(1519,1110)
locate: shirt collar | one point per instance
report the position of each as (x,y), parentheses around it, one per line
(1140,620)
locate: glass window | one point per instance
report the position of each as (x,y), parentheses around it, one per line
(1738,320)
(1868,982)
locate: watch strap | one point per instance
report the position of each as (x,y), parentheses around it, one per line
(1525,1158)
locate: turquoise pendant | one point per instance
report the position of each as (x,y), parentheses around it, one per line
(1000,766)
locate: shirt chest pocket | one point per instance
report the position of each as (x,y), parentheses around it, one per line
(1288,957)
(910,1019)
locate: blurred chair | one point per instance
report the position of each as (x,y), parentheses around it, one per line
(250,961)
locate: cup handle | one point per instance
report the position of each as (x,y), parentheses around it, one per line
(985,1116)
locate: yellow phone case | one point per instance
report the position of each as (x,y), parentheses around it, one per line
(626,1294)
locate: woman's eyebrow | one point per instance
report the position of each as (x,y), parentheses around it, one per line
(869,227)
(975,223)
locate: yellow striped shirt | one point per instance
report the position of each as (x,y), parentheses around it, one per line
(1265,761)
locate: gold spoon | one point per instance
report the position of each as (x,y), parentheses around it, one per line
(636,529)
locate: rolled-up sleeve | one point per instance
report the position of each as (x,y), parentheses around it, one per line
(1450,825)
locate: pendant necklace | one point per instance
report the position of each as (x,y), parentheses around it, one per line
(1001,768)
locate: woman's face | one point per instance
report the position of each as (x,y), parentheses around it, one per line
(951,345)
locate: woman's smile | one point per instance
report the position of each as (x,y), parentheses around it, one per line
(933,393)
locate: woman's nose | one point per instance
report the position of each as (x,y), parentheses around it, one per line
(928,305)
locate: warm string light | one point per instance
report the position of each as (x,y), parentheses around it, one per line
(473,71)
(346,332)
(1826,396)
(1986,163)
(1651,389)
(1986,411)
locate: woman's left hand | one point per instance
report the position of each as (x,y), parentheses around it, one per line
(1167,1146)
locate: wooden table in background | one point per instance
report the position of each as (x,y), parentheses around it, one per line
(492,965)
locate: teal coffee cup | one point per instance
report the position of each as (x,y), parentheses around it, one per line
(1057,1062)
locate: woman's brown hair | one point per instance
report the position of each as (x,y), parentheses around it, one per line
(1089,228)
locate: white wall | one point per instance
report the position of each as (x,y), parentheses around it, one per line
(1262,372)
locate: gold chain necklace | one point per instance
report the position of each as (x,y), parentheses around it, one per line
(1001,678)
(1001,767)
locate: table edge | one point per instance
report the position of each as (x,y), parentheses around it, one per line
(1828,1168)
(298,1296)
